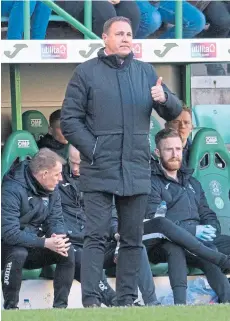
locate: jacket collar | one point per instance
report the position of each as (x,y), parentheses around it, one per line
(34,184)
(114,61)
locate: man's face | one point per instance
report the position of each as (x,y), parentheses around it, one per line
(170,153)
(49,179)
(119,39)
(183,124)
(74,163)
(57,133)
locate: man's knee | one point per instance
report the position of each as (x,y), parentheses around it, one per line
(173,249)
(18,255)
(198,22)
(13,263)
(71,256)
(150,18)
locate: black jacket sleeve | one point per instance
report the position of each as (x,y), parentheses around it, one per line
(11,232)
(74,113)
(154,200)
(172,107)
(207,216)
(54,223)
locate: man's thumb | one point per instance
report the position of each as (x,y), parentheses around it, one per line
(159,81)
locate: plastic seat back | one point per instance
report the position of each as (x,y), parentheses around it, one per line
(155,127)
(35,122)
(211,163)
(214,116)
(19,146)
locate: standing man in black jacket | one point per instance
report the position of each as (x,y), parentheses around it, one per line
(106,116)
(31,202)
(72,200)
(187,207)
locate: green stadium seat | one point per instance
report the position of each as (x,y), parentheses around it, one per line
(214,116)
(48,271)
(155,127)
(161,269)
(31,274)
(35,123)
(211,162)
(195,131)
(19,145)
(193,119)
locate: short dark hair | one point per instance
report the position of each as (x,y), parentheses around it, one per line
(187,109)
(108,23)
(45,159)
(184,108)
(164,134)
(54,117)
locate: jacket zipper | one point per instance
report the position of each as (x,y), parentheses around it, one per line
(94,149)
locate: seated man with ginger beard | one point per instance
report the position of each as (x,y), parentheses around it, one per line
(187,207)
(183,124)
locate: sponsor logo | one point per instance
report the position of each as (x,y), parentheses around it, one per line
(102,286)
(17,48)
(219,203)
(36,123)
(215,188)
(191,187)
(211,140)
(53,51)
(45,201)
(65,184)
(167,186)
(23,143)
(7,273)
(94,47)
(137,50)
(203,50)
(167,47)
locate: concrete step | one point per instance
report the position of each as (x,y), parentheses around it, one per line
(40,292)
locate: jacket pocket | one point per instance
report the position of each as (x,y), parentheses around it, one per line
(141,149)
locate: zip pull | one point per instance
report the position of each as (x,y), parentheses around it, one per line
(94,149)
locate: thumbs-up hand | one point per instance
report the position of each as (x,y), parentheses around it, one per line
(157,92)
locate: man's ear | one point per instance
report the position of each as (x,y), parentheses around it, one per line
(50,130)
(44,173)
(104,37)
(157,152)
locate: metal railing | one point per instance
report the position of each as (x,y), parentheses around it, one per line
(86,29)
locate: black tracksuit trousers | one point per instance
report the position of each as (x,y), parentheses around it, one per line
(186,240)
(184,248)
(15,258)
(98,210)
